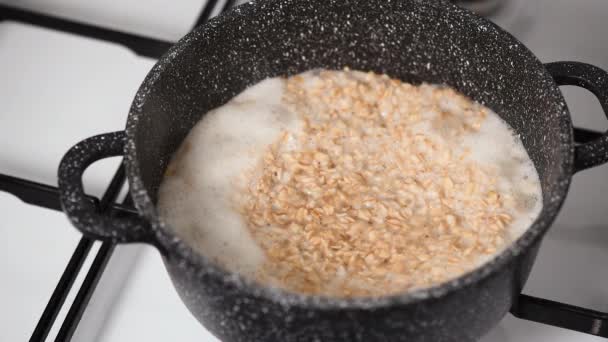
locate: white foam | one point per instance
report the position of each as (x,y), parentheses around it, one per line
(197,200)
(496,144)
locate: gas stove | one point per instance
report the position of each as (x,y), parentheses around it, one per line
(64,80)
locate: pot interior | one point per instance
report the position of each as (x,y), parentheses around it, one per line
(415,41)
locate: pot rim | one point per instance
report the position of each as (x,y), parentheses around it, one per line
(178,251)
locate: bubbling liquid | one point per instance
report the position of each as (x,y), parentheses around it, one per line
(195,197)
(220,167)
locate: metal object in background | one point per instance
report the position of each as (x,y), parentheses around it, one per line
(82,250)
(143,46)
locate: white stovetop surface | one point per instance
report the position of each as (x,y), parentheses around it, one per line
(56,89)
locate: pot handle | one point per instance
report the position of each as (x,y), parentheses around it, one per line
(594,152)
(83,213)
(561,315)
(591,150)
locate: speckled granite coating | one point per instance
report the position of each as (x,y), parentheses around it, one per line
(414,40)
(82,212)
(595,80)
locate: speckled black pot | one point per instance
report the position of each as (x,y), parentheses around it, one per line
(416,41)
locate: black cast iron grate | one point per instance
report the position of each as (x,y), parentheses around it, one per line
(47,196)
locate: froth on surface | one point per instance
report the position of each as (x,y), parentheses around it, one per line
(195,197)
(497,144)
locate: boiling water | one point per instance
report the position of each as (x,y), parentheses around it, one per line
(196,195)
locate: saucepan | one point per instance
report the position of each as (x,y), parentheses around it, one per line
(413,40)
